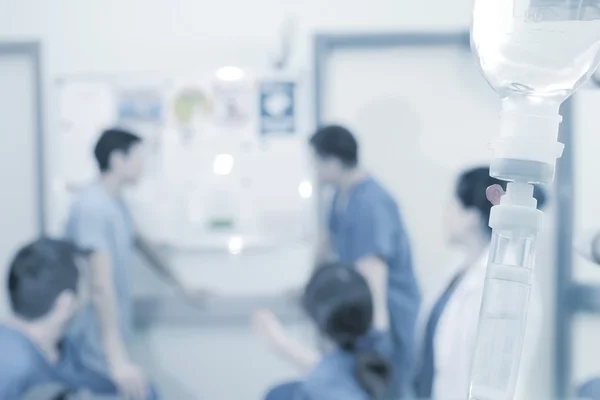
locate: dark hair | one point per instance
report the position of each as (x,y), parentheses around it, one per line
(39,273)
(471,187)
(336,141)
(113,140)
(339,301)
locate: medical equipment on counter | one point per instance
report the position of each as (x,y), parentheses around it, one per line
(534,54)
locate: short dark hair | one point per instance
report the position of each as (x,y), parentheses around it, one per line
(111,140)
(336,141)
(39,273)
(471,187)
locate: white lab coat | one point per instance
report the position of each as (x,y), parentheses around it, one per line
(456,331)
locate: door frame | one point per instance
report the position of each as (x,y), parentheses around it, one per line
(32,50)
(569,298)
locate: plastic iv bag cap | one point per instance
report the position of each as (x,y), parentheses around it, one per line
(527,148)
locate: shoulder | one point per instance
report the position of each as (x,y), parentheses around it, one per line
(473,280)
(374,194)
(333,378)
(17,363)
(335,360)
(332,366)
(13,342)
(14,367)
(372,188)
(91,199)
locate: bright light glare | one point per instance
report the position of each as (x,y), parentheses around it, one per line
(305,189)
(230,74)
(223,164)
(235,245)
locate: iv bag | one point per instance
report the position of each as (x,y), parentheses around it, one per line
(540,48)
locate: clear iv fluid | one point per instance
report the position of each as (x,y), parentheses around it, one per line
(495,366)
(539,48)
(503,316)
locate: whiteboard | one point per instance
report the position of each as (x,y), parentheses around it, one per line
(226,163)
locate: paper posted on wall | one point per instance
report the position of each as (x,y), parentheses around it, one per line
(235,106)
(277,108)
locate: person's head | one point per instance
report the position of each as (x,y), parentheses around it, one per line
(469,210)
(336,152)
(43,281)
(338,299)
(119,153)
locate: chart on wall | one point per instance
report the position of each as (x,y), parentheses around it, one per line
(224,158)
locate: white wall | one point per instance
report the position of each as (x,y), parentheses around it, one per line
(183,36)
(134,35)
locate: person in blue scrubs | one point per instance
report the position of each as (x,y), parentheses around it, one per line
(365,229)
(590,390)
(35,356)
(101,221)
(339,302)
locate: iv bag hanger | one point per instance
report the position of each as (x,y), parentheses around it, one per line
(279,54)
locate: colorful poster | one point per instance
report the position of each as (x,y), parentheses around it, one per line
(235,105)
(191,104)
(141,105)
(277,108)
(192,110)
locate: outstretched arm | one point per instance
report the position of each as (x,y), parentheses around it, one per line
(154,260)
(375,272)
(324,251)
(267,326)
(157,263)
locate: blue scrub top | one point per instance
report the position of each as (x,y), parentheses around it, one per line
(23,368)
(371,225)
(334,376)
(99,221)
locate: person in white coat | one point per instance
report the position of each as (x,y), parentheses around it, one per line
(448,327)
(587,245)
